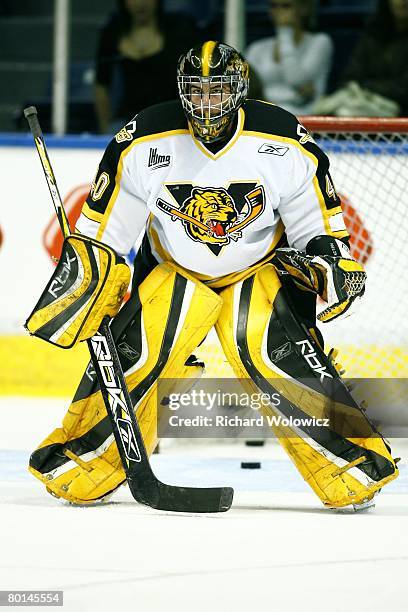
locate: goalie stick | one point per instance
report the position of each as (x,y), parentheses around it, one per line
(143,484)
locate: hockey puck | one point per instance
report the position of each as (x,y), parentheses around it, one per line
(254,442)
(250,465)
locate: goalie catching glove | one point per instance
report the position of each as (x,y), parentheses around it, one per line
(336,277)
(89,283)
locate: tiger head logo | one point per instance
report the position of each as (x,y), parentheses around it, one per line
(213,208)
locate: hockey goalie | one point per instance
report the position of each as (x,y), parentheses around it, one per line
(242,230)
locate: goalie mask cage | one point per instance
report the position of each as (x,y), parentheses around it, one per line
(369,168)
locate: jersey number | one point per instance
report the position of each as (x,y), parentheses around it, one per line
(98,188)
(330,190)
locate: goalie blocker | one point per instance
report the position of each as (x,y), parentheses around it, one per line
(89,283)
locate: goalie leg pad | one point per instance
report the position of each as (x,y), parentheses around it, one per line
(265,341)
(164,321)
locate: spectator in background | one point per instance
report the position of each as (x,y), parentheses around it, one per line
(137,52)
(380,61)
(293,65)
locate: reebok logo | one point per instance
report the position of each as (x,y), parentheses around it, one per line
(128,351)
(281,352)
(309,354)
(116,397)
(58,282)
(158,161)
(273,149)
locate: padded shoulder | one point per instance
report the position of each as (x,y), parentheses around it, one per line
(269,119)
(156,119)
(160,118)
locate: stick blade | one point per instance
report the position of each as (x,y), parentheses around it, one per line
(188,499)
(156,494)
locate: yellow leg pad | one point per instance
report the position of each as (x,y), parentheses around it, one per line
(177,312)
(243,327)
(336,488)
(89,479)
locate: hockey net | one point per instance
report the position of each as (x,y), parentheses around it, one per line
(368,159)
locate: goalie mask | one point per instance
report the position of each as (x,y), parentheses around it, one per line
(213,83)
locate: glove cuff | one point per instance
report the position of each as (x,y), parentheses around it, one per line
(327,245)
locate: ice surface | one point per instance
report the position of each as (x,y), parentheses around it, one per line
(276,549)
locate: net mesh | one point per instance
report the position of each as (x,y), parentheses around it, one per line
(368,162)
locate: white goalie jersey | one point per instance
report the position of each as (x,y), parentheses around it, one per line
(217,212)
